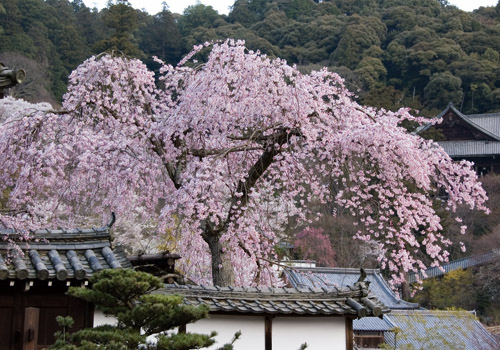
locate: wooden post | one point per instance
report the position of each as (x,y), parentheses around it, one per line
(268,329)
(30,330)
(349,334)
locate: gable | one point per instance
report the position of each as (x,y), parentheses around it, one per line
(456,128)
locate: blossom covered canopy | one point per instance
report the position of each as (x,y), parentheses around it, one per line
(217,156)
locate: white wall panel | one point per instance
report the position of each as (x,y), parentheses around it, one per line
(320,333)
(252,330)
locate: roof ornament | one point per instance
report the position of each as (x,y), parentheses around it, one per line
(112,221)
(362,275)
(10,78)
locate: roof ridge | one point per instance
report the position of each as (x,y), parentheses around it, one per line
(277,291)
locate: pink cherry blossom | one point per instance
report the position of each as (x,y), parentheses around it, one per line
(213,161)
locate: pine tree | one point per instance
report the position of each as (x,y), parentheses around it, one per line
(127,295)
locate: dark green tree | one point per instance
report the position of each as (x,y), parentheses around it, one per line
(248,12)
(198,16)
(128,296)
(359,34)
(159,36)
(122,21)
(89,23)
(442,89)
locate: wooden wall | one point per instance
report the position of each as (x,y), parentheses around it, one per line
(50,301)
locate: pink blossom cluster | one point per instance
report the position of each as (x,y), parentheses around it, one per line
(314,244)
(235,146)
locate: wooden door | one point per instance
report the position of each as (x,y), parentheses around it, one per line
(50,302)
(30,329)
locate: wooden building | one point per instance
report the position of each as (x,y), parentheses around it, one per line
(473,137)
(33,286)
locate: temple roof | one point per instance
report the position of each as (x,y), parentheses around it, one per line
(353,300)
(328,277)
(486,124)
(59,254)
(426,329)
(488,121)
(463,263)
(470,148)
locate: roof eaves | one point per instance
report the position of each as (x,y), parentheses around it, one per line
(284,300)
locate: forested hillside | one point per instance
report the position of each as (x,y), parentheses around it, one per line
(421,53)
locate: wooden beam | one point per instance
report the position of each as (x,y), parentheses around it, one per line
(30,330)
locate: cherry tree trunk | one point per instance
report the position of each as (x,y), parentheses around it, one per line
(222,270)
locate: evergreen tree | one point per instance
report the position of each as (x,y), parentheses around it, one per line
(127,295)
(122,21)
(159,36)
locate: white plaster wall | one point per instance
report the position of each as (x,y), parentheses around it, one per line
(320,333)
(252,330)
(101,319)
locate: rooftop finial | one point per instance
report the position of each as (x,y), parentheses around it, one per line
(362,275)
(113,219)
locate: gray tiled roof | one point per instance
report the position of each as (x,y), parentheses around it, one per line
(423,329)
(328,277)
(488,121)
(289,301)
(463,263)
(373,324)
(60,255)
(470,148)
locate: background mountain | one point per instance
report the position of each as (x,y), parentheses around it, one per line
(392,53)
